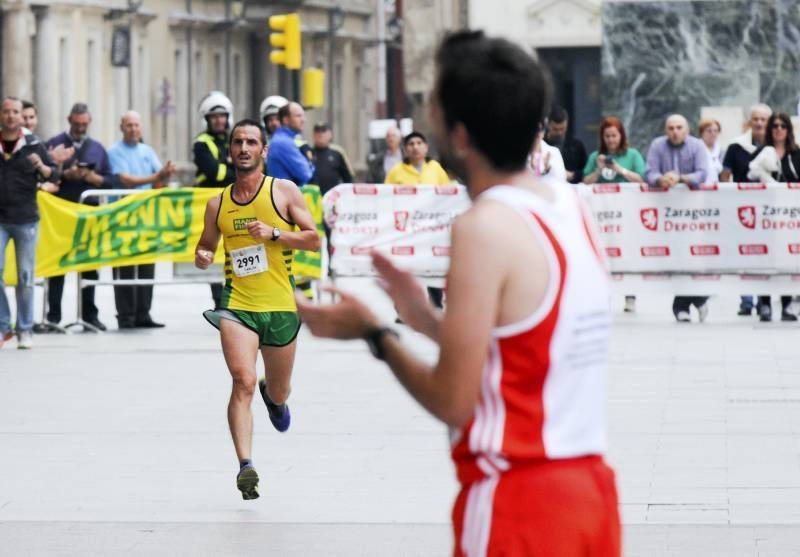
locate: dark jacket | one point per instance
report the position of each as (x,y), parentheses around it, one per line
(330,169)
(574,154)
(211,159)
(18,182)
(90,152)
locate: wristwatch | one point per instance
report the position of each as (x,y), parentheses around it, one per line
(374,340)
(276,233)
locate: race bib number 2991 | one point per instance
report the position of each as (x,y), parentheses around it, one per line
(249,261)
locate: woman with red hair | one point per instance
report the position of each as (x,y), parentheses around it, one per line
(614,161)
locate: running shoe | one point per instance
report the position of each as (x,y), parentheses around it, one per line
(278,413)
(247,482)
(703,312)
(24,340)
(682,316)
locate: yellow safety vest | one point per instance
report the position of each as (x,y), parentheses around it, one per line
(222,166)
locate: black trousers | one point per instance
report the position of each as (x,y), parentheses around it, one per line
(437,296)
(682,303)
(133,302)
(55,290)
(767,301)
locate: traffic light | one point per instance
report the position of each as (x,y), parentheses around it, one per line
(313,88)
(286,42)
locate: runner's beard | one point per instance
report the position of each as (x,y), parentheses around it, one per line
(242,168)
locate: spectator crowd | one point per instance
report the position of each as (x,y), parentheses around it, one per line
(73,162)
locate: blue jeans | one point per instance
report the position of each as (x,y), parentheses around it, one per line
(24,236)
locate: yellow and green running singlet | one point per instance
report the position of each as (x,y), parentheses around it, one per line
(257,274)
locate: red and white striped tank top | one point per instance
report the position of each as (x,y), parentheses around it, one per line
(543,390)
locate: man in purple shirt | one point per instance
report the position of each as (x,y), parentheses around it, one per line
(88,168)
(679,158)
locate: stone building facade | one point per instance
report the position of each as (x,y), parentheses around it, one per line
(57,52)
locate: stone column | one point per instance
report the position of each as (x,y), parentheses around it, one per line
(18,28)
(45,73)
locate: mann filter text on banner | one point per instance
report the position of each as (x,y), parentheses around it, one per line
(717,228)
(410,222)
(145,227)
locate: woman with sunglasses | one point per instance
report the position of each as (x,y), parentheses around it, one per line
(777,161)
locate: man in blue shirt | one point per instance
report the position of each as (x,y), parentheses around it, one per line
(285,158)
(136,165)
(88,168)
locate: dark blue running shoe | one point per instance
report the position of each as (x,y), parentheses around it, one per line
(279,414)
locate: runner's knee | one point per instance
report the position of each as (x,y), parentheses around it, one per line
(244,383)
(278,393)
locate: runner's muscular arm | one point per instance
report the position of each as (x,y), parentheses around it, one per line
(450,389)
(209,239)
(295,207)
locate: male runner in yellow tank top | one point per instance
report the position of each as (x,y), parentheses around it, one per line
(260,220)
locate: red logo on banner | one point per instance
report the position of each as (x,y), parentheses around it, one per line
(655,251)
(403,250)
(441,251)
(365,189)
(360,250)
(706,187)
(405,190)
(793,185)
(794,249)
(613,252)
(747,186)
(647,188)
(754,277)
(753,249)
(400,220)
(705,250)
(747,216)
(649,218)
(606,188)
(446,190)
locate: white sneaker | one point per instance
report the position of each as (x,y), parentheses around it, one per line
(630,304)
(683,317)
(702,311)
(24,340)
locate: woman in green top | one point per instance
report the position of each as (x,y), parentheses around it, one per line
(615,161)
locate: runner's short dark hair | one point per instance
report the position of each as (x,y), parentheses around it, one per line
(29,104)
(496,90)
(250,122)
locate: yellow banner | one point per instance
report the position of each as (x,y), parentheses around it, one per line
(146,227)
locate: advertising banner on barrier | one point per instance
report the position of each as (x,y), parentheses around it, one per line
(410,222)
(146,227)
(718,228)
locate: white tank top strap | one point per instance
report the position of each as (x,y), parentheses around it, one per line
(529,205)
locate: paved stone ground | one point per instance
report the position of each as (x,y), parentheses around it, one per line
(117,444)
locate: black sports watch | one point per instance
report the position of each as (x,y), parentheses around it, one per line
(276,233)
(374,340)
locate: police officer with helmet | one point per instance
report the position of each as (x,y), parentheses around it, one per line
(211,155)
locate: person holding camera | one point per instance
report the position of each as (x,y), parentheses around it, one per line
(615,161)
(88,168)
